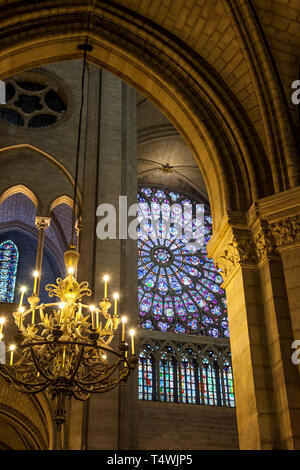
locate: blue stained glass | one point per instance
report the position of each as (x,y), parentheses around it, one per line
(178,270)
(148,325)
(179,329)
(9,257)
(174,283)
(163,326)
(145,378)
(166,380)
(169,312)
(147,191)
(174,196)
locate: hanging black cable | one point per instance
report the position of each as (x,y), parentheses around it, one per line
(85,48)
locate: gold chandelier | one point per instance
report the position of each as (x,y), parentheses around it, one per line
(64,347)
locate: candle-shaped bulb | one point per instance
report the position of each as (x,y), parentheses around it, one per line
(2,321)
(23,290)
(61,307)
(35,275)
(124,320)
(21,310)
(116,297)
(71,270)
(92,310)
(1,336)
(106,279)
(12,348)
(132,333)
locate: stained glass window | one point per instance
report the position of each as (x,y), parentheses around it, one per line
(186,382)
(166,379)
(179,287)
(9,257)
(186,376)
(228,385)
(209,384)
(145,377)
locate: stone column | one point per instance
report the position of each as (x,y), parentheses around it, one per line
(255,404)
(109,171)
(287,236)
(279,334)
(267,384)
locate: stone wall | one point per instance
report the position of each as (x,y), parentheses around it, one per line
(186,427)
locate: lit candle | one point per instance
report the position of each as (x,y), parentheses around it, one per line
(64,357)
(92,309)
(42,314)
(2,321)
(116,296)
(61,306)
(132,333)
(12,348)
(21,310)
(1,336)
(124,320)
(106,278)
(23,290)
(35,275)
(78,314)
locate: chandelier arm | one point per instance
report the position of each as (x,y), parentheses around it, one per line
(20,385)
(78,361)
(103,388)
(93,382)
(38,367)
(109,369)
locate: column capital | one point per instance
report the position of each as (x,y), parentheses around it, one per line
(265,243)
(271,238)
(240,251)
(232,245)
(42,222)
(286,232)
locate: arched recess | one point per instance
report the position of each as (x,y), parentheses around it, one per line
(183,85)
(20,189)
(17,223)
(24,153)
(24,420)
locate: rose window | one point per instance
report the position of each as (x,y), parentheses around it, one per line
(179,287)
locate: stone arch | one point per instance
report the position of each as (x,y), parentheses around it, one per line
(182,84)
(20,189)
(24,421)
(30,188)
